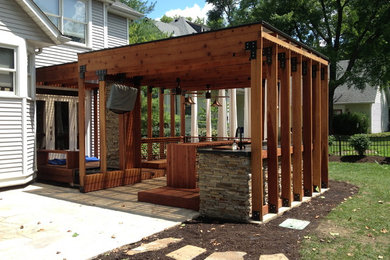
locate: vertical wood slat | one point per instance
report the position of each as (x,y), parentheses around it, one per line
(285,131)
(172,104)
(161,120)
(272,132)
(182,116)
(102,123)
(133,134)
(297,130)
(95,124)
(257,134)
(324,128)
(307,131)
(81,87)
(317,127)
(149,122)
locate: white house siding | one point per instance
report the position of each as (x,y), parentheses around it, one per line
(15,20)
(58,55)
(30,132)
(97,25)
(117,30)
(11,140)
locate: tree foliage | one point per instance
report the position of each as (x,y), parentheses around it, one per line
(144,30)
(141,6)
(354,30)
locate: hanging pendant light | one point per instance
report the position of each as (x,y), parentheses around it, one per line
(216,103)
(178,88)
(208,93)
(189,101)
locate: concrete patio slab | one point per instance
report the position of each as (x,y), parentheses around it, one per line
(49,222)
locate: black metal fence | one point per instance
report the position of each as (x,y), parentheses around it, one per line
(340,145)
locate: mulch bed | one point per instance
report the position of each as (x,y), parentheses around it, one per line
(360,159)
(255,240)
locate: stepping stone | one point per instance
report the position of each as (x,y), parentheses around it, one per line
(187,252)
(294,224)
(154,246)
(273,257)
(228,255)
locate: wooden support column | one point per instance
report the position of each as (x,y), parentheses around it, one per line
(307,128)
(161,119)
(102,120)
(133,132)
(297,126)
(81,86)
(316,126)
(272,131)
(173,123)
(257,137)
(182,116)
(324,127)
(149,122)
(285,129)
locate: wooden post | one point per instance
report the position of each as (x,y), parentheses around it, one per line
(182,116)
(133,132)
(272,132)
(102,122)
(324,126)
(161,119)
(149,122)
(173,123)
(297,128)
(285,128)
(81,86)
(316,126)
(257,137)
(307,128)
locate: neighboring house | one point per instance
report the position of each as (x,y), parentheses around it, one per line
(23,29)
(91,25)
(42,33)
(372,101)
(180,27)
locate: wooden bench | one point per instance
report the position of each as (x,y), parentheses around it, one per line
(59,173)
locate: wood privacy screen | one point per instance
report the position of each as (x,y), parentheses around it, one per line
(294,105)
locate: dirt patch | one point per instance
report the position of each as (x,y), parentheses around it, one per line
(255,240)
(360,159)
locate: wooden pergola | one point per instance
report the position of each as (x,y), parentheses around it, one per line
(255,56)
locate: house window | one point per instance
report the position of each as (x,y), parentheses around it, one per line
(337,111)
(7,69)
(70,17)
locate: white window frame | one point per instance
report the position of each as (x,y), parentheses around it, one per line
(14,71)
(87,22)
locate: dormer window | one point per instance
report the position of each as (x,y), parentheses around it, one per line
(70,17)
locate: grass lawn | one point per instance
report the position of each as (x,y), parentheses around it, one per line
(359,228)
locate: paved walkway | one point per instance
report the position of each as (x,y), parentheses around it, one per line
(49,222)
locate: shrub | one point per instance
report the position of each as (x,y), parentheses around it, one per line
(360,143)
(331,140)
(350,124)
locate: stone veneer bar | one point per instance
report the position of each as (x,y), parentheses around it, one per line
(225,183)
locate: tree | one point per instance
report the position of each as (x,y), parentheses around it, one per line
(167,19)
(141,6)
(144,30)
(354,30)
(222,9)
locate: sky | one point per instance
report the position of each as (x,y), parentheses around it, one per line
(185,8)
